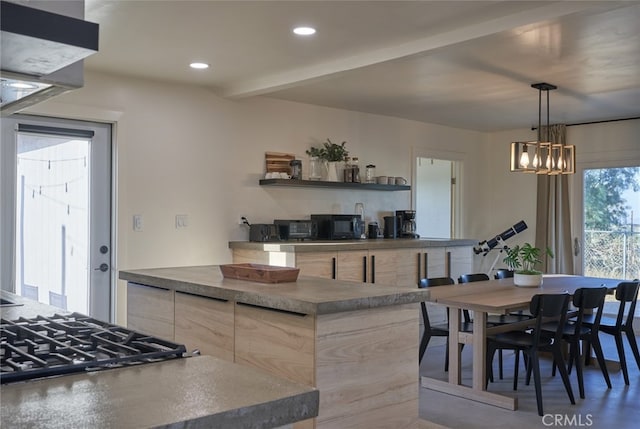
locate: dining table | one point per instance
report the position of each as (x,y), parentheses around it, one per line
(497,297)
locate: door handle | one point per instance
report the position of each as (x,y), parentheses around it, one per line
(103,267)
(576,246)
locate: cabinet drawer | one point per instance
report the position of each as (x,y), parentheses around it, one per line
(279,342)
(205,324)
(150,310)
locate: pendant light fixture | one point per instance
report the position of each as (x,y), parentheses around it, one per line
(543,157)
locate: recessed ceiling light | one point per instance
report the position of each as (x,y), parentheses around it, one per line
(199,66)
(23,85)
(304,31)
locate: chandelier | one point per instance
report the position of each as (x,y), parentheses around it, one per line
(543,157)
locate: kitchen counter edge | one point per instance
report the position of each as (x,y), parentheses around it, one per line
(337,245)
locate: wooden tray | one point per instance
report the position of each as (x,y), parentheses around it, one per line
(260,273)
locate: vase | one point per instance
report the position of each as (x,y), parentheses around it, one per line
(527,280)
(332,171)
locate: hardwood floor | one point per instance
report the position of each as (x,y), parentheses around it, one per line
(617,408)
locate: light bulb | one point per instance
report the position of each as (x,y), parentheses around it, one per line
(536,160)
(524,158)
(549,161)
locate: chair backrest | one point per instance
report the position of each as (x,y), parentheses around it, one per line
(588,299)
(626,293)
(504,273)
(435,281)
(549,306)
(468,278)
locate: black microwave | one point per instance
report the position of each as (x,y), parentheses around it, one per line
(338,226)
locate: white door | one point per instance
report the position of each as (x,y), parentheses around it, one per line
(607,220)
(56,213)
(434,197)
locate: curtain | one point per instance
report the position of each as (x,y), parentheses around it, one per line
(553,216)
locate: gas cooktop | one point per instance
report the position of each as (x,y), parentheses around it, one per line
(65,344)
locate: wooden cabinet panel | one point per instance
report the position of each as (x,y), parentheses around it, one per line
(317,264)
(352,266)
(279,342)
(243,256)
(383,267)
(150,310)
(354,372)
(460,261)
(409,267)
(205,324)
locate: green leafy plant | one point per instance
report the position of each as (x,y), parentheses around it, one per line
(523,259)
(330,151)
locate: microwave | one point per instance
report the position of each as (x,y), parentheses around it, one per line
(295,229)
(338,226)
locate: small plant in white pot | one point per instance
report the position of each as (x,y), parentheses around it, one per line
(523,259)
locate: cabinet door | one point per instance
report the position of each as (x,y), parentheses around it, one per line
(460,261)
(205,324)
(279,342)
(150,310)
(352,265)
(383,267)
(409,267)
(317,264)
(434,262)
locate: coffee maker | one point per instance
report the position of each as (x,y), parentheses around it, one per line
(407,227)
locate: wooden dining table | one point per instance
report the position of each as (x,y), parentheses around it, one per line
(497,297)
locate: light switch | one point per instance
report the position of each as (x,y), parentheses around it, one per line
(182,221)
(137,222)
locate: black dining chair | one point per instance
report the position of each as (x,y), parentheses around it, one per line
(534,340)
(440,329)
(627,295)
(589,302)
(503,273)
(494,319)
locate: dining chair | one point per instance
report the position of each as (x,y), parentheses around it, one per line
(503,273)
(494,319)
(627,295)
(589,302)
(532,341)
(440,329)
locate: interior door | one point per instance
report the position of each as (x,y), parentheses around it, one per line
(56,213)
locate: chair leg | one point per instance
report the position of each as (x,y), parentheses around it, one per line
(515,370)
(446,357)
(557,356)
(500,364)
(597,348)
(424,342)
(623,361)
(535,364)
(634,345)
(575,356)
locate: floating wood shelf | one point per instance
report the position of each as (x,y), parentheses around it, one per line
(334,185)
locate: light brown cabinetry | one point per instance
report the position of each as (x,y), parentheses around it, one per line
(379,266)
(205,324)
(150,310)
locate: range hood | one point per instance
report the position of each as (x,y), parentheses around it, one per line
(41,54)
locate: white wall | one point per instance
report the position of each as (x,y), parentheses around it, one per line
(183,150)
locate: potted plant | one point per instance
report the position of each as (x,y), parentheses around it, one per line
(523,259)
(332,153)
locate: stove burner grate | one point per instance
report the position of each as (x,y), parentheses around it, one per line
(64,344)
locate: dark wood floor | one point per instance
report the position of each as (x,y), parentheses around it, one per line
(616,408)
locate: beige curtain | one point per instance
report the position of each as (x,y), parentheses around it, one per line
(553,217)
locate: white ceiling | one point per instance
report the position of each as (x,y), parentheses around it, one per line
(465,64)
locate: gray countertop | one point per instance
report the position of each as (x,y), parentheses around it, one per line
(308,295)
(195,392)
(326,246)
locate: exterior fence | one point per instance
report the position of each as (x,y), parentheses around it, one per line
(612,254)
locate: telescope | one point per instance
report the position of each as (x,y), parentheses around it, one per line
(485,246)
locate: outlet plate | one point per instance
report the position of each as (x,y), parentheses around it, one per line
(137,223)
(182,221)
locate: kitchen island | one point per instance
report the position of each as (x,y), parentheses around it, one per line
(194,392)
(356,343)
